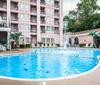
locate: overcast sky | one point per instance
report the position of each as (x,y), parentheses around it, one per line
(70,5)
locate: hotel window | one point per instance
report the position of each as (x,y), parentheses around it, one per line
(27,6)
(43,40)
(27,16)
(21,5)
(27,40)
(52,40)
(48,11)
(48,28)
(52,2)
(52,12)
(22,27)
(28,27)
(48,20)
(21,16)
(21,40)
(52,28)
(52,20)
(48,40)
(48,2)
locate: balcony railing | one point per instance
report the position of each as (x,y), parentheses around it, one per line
(33,21)
(33,31)
(33,11)
(4,7)
(56,23)
(42,2)
(33,1)
(43,12)
(14,19)
(56,32)
(56,5)
(43,31)
(14,8)
(56,14)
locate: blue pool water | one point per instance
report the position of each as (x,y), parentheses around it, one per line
(48,63)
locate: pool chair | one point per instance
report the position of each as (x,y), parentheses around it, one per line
(92,45)
(46,45)
(87,45)
(38,45)
(50,45)
(42,45)
(54,45)
(33,46)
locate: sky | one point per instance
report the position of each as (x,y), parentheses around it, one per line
(70,5)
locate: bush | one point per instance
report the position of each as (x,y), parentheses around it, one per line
(28,45)
(58,45)
(21,45)
(82,45)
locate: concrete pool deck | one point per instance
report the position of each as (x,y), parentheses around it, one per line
(91,78)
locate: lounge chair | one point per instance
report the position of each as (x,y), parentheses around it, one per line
(33,46)
(42,45)
(87,45)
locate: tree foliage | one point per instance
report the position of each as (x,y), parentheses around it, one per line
(15,37)
(84,17)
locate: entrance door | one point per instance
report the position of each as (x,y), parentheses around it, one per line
(12,45)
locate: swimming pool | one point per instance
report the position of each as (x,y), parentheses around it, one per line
(48,63)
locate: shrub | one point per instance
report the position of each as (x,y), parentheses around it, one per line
(21,45)
(28,45)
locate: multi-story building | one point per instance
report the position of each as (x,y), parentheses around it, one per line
(38,20)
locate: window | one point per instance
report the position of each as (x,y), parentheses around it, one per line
(21,40)
(48,28)
(43,40)
(52,12)
(27,40)
(28,27)
(48,2)
(48,20)
(27,6)
(52,20)
(27,16)
(48,11)
(21,16)
(48,40)
(52,40)
(52,2)
(21,5)
(22,27)
(52,28)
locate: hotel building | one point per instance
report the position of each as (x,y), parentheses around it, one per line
(38,20)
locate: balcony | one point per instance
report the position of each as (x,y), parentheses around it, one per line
(3,8)
(42,2)
(43,10)
(33,31)
(56,23)
(14,19)
(56,14)
(14,8)
(33,2)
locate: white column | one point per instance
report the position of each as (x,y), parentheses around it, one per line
(38,21)
(8,41)
(61,22)
(8,13)
(8,23)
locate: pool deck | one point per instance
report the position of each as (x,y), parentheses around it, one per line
(91,78)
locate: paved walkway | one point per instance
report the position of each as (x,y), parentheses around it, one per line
(16,51)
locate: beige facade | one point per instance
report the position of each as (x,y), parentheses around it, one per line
(82,36)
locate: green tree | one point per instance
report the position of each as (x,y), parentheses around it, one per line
(15,37)
(84,17)
(94,35)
